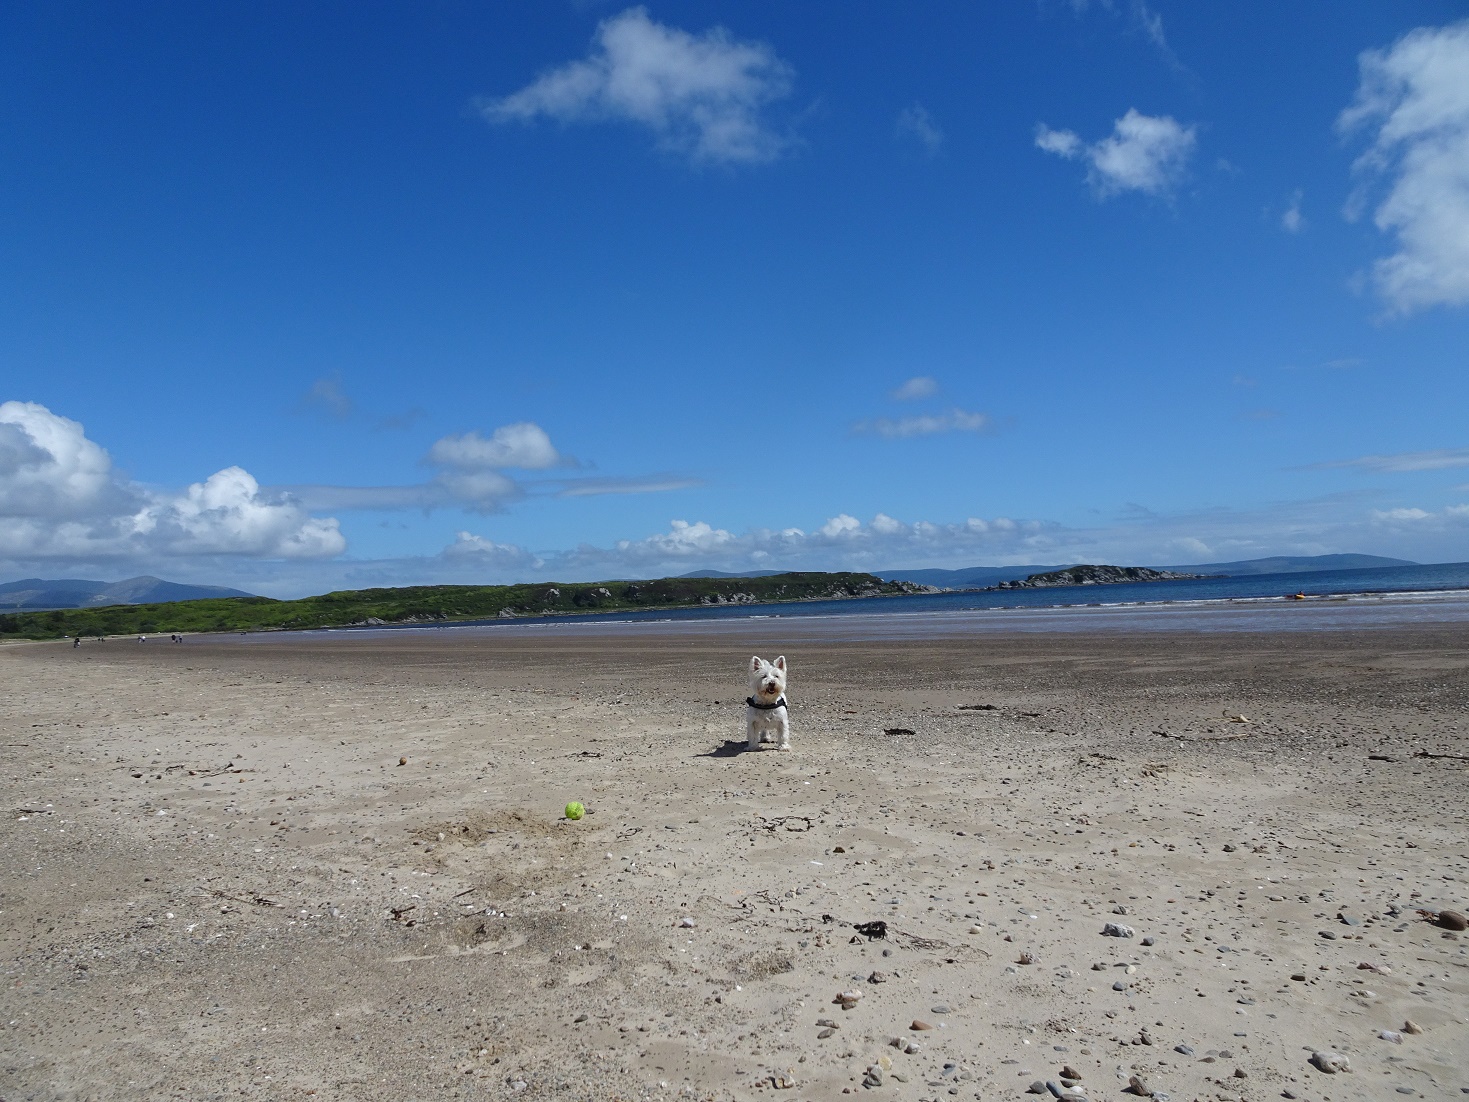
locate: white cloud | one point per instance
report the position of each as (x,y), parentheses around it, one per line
(1415,98)
(1063,143)
(955,420)
(524,445)
(1143,153)
(483,552)
(48,467)
(916,122)
(1400,514)
(920,386)
(1438,459)
(702,95)
(1292,221)
(60,498)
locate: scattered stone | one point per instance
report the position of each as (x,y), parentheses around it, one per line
(1069,1072)
(1150,940)
(782,1082)
(1117,929)
(1139,1086)
(1184,1050)
(1329,935)
(1391,1035)
(877,977)
(873,1078)
(579,1019)
(1410,1026)
(1120,910)
(940,1009)
(1119,985)
(1299,977)
(1036,1088)
(919,1025)
(848,999)
(687,923)
(827,1023)
(1228,848)
(1240,1073)
(1330,1062)
(1451,920)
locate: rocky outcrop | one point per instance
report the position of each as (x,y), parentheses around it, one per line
(1097,575)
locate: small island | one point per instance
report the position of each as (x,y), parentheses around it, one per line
(1098,575)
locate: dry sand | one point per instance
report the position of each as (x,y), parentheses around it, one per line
(224,880)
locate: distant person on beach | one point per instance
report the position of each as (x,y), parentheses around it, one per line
(76,642)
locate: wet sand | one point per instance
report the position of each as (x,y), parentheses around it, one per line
(335,866)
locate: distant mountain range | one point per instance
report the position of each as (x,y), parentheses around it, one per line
(979,577)
(38,593)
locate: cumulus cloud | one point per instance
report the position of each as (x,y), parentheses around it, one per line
(934,424)
(61,498)
(1413,100)
(482,552)
(1436,459)
(702,95)
(524,445)
(48,467)
(1144,153)
(920,386)
(916,122)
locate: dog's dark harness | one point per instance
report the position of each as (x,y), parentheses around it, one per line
(752,702)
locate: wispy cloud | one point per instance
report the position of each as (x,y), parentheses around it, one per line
(916,122)
(1414,101)
(1438,459)
(920,386)
(701,95)
(470,473)
(1344,363)
(1293,221)
(954,420)
(327,396)
(1143,153)
(395,422)
(648,484)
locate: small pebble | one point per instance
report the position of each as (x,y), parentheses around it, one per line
(1391,1035)
(1452,920)
(1186,1050)
(919,1024)
(941,1009)
(1411,1026)
(1150,940)
(1117,929)
(1139,1086)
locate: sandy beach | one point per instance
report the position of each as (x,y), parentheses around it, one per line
(335,866)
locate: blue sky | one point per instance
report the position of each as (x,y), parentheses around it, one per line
(301,296)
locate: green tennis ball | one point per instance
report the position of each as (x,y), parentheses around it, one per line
(574,810)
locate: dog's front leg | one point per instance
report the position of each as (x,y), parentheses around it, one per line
(752,736)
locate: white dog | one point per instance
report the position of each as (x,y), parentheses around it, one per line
(766,712)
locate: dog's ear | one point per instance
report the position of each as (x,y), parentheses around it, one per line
(780,663)
(755,663)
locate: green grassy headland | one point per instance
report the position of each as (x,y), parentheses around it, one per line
(438,603)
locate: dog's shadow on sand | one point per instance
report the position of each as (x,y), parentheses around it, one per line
(732,748)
